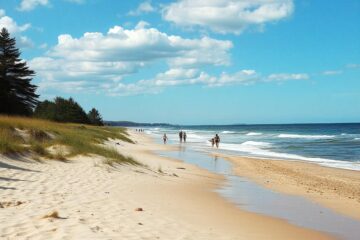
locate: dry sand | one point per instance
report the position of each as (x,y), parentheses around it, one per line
(338,189)
(85,199)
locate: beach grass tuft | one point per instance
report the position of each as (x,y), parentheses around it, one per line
(35,136)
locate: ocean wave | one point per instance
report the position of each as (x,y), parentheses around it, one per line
(253,134)
(356,139)
(305,136)
(192,137)
(256,149)
(228,132)
(254,143)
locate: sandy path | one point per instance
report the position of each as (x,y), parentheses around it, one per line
(95,201)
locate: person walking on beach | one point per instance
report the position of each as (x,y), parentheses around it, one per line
(165,138)
(180,136)
(184,136)
(217,140)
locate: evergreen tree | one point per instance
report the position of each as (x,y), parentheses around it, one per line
(17,94)
(95,117)
(61,110)
(46,110)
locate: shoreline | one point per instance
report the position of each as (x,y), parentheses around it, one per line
(331,187)
(296,160)
(94,200)
(334,188)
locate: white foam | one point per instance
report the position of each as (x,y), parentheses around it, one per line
(253,134)
(254,143)
(356,139)
(258,149)
(251,147)
(228,132)
(305,136)
(192,137)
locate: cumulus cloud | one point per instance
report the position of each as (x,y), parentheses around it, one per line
(9,23)
(144,7)
(107,58)
(224,16)
(28,5)
(141,45)
(15,30)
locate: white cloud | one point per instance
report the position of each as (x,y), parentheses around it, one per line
(224,16)
(287,76)
(181,76)
(9,23)
(28,5)
(24,42)
(15,30)
(141,44)
(144,7)
(332,72)
(107,58)
(142,25)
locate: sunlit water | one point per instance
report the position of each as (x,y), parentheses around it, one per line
(334,145)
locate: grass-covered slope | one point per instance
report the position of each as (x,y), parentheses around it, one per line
(53,140)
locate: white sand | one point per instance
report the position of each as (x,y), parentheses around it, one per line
(95,201)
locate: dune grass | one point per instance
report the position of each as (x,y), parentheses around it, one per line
(28,135)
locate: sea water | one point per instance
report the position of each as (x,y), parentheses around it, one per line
(334,145)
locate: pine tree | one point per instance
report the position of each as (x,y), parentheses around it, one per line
(95,117)
(45,110)
(17,94)
(61,110)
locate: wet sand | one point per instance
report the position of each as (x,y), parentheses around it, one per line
(338,189)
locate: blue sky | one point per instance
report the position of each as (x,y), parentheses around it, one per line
(195,62)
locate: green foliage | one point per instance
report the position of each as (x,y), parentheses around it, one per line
(61,110)
(95,117)
(45,110)
(17,94)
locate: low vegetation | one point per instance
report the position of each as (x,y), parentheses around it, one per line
(19,135)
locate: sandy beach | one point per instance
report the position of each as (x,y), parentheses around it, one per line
(85,199)
(338,189)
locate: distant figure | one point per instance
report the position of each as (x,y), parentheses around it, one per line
(184,136)
(165,138)
(181,136)
(212,142)
(217,140)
